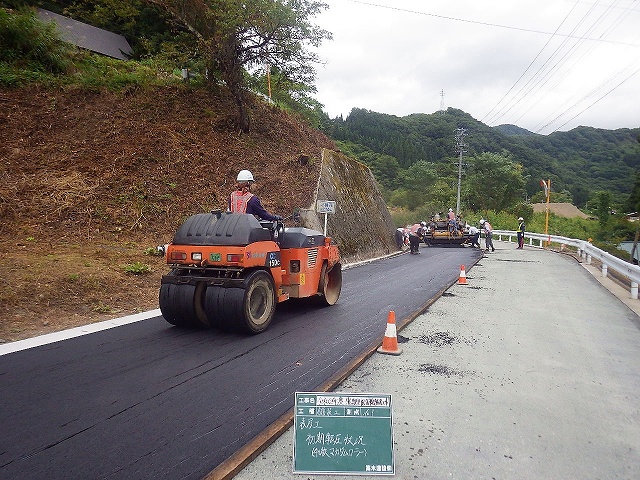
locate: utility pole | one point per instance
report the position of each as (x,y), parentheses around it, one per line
(269,80)
(442,102)
(547,193)
(460,148)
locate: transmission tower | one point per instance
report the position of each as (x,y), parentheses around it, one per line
(461,149)
(442,102)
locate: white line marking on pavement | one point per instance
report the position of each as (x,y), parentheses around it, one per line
(75,332)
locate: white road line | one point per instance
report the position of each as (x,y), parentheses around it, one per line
(75,332)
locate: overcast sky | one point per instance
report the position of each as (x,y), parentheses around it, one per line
(532,63)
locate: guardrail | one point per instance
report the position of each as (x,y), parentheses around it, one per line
(587,252)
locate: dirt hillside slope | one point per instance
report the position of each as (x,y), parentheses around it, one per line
(567,210)
(90,182)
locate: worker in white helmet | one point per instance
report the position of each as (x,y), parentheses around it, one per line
(521,228)
(488,235)
(242,200)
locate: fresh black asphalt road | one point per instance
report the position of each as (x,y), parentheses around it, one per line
(149,400)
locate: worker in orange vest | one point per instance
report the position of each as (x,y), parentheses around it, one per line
(242,200)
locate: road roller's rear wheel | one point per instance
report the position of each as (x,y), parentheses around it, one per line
(178,304)
(198,304)
(330,284)
(258,302)
(222,306)
(249,309)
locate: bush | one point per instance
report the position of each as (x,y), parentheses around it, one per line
(28,42)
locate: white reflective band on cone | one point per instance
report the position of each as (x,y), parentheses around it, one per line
(391,330)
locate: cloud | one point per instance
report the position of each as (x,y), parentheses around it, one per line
(496,60)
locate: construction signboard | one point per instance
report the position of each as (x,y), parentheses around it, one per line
(326,206)
(348,433)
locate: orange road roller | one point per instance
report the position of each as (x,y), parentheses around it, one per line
(229,270)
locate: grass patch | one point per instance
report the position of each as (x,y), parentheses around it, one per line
(137,268)
(102,308)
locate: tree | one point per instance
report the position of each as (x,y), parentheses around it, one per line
(242,35)
(494,182)
(416,180)
(633,202)
(384,168)
(289,95)
(603,207)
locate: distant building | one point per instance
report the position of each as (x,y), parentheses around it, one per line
(88,37)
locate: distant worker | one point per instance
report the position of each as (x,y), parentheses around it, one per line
(242,200)
(416,235)
(488,235)
(453,224)
(424,229)
(521,232)
(400,237)
(475,236)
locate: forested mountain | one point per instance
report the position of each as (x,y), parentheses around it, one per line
(579,162)
(508,129)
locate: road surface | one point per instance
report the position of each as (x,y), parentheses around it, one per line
(148,400)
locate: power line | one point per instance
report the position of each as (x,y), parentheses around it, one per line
(546,76)
(528,94)
(627,10)
(574,46)
(567,56)
(478,22)
(532,62)
(587,108)
(544,70)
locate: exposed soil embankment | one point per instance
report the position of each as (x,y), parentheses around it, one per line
(91,181)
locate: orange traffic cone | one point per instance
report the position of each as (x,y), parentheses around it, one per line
(390,341)
(463,276)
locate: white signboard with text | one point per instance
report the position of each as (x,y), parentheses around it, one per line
(326,206)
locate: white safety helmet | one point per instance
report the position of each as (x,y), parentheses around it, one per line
(482,221)
(451,209)
(245,176)
(520,219)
